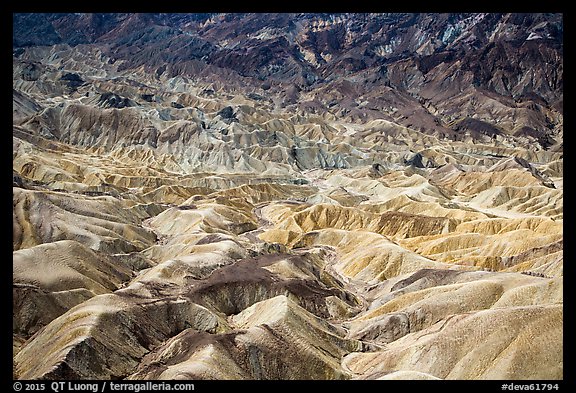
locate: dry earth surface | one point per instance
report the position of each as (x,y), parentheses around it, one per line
(287,196)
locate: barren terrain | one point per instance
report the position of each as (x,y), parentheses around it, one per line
(287,196)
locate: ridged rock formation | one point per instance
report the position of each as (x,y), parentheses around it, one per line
(288,196)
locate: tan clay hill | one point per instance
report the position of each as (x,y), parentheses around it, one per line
(187,216)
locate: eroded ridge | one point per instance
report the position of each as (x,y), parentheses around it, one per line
(368,202)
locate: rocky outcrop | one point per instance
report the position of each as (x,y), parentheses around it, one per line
(432,62)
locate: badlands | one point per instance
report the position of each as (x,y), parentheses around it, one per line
(288,196)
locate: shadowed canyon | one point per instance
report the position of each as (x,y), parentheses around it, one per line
(287,196)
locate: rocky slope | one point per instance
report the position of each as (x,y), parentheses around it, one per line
(288,196)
